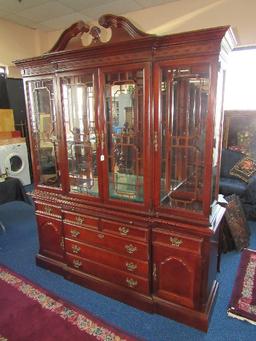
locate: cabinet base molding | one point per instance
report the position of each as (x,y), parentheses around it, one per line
(50,264)
(193,318)
(112,290)
(151,304)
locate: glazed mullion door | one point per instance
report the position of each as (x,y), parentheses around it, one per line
(124,115)
(183,99)
(42,114)
(81,133)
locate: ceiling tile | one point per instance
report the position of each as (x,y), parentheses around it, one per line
(22,21)
(40,12)
(82,4)
(46,11)
(5,14)
(14,6)
(42,27)
(113,7)
(63,22)
(151,3)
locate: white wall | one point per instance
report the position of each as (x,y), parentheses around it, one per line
(18,42)
(187,15)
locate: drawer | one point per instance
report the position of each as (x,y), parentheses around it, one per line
(114,260)
(107,241)
(125,230)
(124,279)
(177,240)
(48,209)
(80,219)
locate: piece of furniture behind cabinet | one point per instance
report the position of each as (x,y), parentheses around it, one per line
(126,137)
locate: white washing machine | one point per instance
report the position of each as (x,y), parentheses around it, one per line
(14,159)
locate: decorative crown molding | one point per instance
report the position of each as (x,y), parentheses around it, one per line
(121,28)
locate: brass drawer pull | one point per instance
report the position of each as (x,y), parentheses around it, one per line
(124,230)
(175,241)
(131,266)
(79,220)
(47,209)
(74,233)
(130,248)
(77,263)
(76,249)
(131,282)
(101,235)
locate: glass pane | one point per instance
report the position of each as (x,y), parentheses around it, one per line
(81,138)
(124,113)
(184,105)
(217,132)
(43,121)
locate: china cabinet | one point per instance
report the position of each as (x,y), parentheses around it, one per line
(126,137)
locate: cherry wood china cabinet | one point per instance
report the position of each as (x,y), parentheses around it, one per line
(126,137)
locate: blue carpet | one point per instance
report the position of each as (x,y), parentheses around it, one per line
(19,245)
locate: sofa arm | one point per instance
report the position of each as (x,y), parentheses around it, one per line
(230,186)
(249,195)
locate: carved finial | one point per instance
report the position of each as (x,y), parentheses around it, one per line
(95,32)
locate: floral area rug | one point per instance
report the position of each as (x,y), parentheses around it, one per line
(243,300)
(28,312)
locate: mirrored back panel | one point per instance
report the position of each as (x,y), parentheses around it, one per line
(124,99)
(44,130)
(78,100)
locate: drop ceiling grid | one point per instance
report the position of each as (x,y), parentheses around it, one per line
(52,15)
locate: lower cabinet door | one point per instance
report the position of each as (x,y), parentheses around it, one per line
(176,275)
(50,237)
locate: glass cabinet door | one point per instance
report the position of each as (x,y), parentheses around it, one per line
(124,109)
(44,131)
(183,111)
(78,100)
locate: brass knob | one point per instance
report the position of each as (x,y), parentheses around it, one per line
(62,244)
(131,266)
(154,272)
(77,263)
(74,233)
(175,241)
(76,249)
(155,141)
(132,283)
(124,230)
(79,220)
(101,235)
(47,209)
(130,248)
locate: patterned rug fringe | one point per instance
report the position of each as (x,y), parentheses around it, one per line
(242,302)
(241,318)
(69,313)
(3,338)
